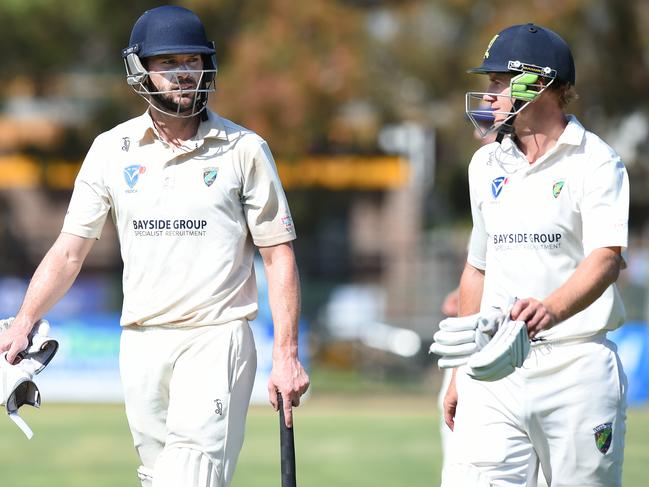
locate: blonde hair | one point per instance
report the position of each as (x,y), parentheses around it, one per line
(564,92)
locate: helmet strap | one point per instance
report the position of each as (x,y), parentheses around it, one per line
(507,127)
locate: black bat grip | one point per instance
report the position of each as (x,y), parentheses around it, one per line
(287,448)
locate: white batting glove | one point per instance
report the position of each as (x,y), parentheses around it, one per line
(41,348)
(506,351)
(18,388)
(459,338)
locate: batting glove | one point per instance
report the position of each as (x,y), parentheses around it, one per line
(18,388)
(40,349)
(459,338)
(506,351)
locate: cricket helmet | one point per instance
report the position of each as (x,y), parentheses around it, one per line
(169,30)
(523,48)
(528,44)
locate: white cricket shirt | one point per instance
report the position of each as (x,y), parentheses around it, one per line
(533,224)
(187,218)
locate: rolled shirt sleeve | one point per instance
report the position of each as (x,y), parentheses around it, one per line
(477,252)
(90,202)
(605,206)
(264,202)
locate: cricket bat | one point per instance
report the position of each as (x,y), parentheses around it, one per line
(287,448)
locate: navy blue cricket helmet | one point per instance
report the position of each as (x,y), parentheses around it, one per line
(169,30)
(528,44)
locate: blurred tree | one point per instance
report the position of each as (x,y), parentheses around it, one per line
(291,65)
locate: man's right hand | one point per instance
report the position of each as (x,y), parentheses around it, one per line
(450,403)
(13,339)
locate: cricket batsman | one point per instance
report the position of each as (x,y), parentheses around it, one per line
(536,382)
(192,196)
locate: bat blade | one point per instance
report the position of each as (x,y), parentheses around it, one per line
(287,448)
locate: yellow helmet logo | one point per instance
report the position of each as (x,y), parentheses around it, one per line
(486,53)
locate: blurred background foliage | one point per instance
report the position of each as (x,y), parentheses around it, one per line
(320,79)
(324,76)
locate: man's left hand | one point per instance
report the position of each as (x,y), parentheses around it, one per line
(535,314)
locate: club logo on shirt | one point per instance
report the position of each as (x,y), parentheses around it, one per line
(497,185)
(219,407)
(209,175)
(557,187)
(603,436)
(132,174)
(126,144)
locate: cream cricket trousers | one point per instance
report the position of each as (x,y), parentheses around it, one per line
(187,391)
(565,409)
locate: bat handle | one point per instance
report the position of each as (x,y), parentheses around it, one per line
(287,447)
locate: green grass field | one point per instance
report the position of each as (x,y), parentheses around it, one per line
(385,440)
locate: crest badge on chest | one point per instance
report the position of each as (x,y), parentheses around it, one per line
(132,175)
(557,187)
(209,175)
(497,185)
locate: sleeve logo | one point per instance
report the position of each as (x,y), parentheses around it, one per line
(287,221)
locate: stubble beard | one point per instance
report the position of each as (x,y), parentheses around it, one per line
(166,102)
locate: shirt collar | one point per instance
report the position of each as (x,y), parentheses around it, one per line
(213,127)
(143,129)
(574,132)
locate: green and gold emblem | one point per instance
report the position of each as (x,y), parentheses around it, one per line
(603,437)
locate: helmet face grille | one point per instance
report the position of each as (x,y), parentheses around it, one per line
(485,119)
(159,99)
(482,116)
